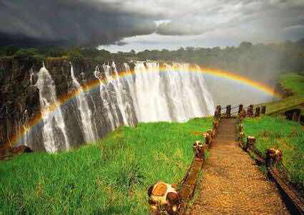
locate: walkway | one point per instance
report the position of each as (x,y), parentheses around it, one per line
(232,183)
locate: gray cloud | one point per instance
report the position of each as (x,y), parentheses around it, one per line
(262,17)
(93,22)
(68,22)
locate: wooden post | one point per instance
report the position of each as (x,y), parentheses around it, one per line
(263,111)
(250,111)
(242,115)
(219,110)
(228,111)
(273,156)
(240,108)
(257,112)
(250,142)
(199,150)
(208,138)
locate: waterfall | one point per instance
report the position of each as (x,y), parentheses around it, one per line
(174,95)
(119,93)
(166,92)
(85,112)
(104,95)
(54,129)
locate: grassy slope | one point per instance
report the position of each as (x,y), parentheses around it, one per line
(110,177)
(291,82)
(283,134)
(280,133)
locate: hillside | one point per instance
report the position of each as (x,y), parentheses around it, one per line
(107,177)
(288,136)
(275,131)
(292,87)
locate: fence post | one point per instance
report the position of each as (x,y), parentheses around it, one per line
(228,111)
(199,150)
(250,142)
(219,110)
(273,156)
(263,111)
(257,112)
(240,108)
(208,138)
(250,111)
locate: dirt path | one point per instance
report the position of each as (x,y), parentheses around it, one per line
(232,183)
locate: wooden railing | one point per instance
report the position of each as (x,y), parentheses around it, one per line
(239,111)
(275,169)
(189,183)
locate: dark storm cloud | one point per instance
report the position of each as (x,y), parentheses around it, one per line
(94,22)
(67,22)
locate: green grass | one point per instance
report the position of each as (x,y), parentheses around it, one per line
(293,82)
(110,177)
(283,134)
(283,104)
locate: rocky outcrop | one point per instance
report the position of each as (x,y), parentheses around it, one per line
(18,98)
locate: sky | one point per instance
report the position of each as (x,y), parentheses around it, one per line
(122,25)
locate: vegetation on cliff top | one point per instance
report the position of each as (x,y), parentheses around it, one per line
(256,61)
(110,177)
(293,82)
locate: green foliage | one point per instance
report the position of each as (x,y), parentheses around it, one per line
(109,177)
(8,50)
(75,56)
(251,60)
(293,82)
(283,134)
(29,55)
(53,51)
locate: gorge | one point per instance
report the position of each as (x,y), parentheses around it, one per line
(55,109)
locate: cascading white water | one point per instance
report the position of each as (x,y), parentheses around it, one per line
(207,95)
(104,95)
(119,93)
(54,129)
(83,107)
(31,76)
(170,92)
(173,95)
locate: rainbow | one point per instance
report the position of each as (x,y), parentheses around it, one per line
(91,85)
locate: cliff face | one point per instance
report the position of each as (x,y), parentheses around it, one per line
(19,97)
(68,121)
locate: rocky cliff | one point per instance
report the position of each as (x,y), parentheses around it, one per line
(19,97)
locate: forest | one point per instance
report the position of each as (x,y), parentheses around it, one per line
(256,61)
